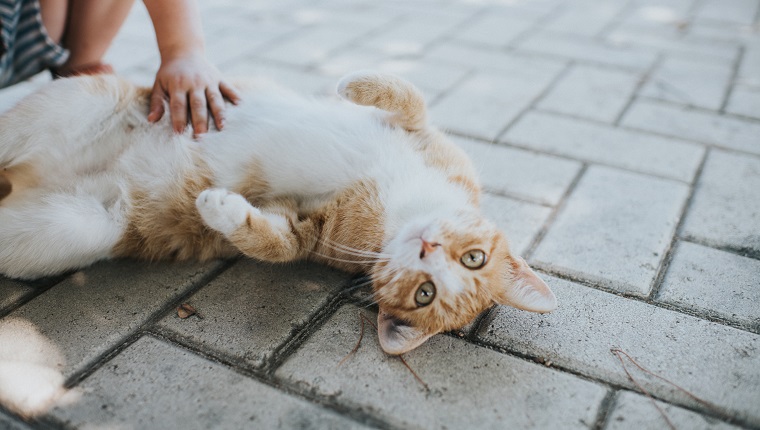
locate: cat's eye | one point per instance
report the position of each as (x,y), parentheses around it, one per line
(425,294)
(474,259)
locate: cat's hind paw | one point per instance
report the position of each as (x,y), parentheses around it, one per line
(224,211)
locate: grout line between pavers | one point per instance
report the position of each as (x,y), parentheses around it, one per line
(554,213)
(746,252)
(447,36)
(286,348)
(92,366)
(509,144)
(700,109)
(537,27)
(608,404)
(530,106)
(615,21)
(720,414)
(732,80)
(673,308)
(31,423)
(643,79)
(269,379)
(654,287)
(38,290)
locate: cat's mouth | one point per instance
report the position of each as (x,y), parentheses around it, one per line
(398,336)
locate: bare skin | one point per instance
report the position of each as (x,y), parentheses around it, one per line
(186,79)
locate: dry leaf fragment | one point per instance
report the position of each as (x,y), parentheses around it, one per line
(186,311)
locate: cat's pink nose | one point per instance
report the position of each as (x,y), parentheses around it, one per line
(427,247)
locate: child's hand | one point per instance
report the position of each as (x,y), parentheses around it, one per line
(191,83)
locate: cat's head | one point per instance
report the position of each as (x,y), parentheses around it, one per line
(441,273)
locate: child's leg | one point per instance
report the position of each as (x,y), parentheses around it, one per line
(90,28)
(49,234)
(54,13)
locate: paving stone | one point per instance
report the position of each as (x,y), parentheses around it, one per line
(244,36)
(689,82)
(744,101)
(509,64)
(411,35)
(8,423)
(717,31)
(634,412)
(587,49)
(12,291)
(666,157)
(614,230)
(658,13)
(499,27)
(669,40)
(749,69)
(153,384)
(725,211)
(485,103)
(709,281)
(293,78)
(591,92)
(586,18)
(94,310)
(735,11)
(713,361)
(519,173)
(470,386)
(520,221)
(680,121)
(308,47)
(253,308)
(431,76)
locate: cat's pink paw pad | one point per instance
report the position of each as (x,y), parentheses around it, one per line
(222,210)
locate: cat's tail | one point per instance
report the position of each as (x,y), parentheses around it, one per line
(387,92)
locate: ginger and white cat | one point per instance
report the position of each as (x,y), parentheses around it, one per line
(365,189)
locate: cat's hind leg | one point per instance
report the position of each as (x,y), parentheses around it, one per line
(46,234)
(274,234)
(390,93)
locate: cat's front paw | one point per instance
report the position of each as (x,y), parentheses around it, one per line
(224,211)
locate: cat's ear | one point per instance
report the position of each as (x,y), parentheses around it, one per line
(390,93)
(396,336)
(525,290)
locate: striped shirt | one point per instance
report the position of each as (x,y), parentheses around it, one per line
(25,47)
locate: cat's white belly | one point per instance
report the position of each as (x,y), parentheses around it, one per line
(304,148)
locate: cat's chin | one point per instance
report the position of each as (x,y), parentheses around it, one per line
(397,336)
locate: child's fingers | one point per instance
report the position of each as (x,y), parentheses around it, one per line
(229,92)
(156,109)
(199,111)
(216,106)
(178,110)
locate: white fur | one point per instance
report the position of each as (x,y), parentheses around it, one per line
(224,211)
(93,147)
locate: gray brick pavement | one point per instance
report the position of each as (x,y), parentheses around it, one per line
(619,146)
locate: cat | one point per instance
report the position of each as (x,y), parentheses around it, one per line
(364,184)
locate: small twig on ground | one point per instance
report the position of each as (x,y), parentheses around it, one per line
(358,343)
(414,373)
(363,318)
(619,353)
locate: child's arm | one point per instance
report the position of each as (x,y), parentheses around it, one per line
(185,77)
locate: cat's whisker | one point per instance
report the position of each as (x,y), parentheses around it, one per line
(364,262)
(358,254)
(347,249)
